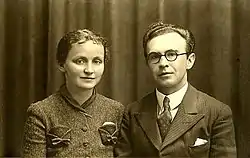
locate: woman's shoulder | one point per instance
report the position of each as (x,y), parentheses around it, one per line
(104,100)
(46,104)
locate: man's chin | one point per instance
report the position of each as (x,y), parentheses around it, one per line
(165,83)
(165,86)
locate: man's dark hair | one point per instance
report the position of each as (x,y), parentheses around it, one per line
(159,28)
(78,36)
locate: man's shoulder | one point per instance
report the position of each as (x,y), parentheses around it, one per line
(206,101)
(208,98)
(137,105)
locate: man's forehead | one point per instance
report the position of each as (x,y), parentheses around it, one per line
(169,36)
(167,40)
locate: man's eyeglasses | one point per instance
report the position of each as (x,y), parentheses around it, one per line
(170,55)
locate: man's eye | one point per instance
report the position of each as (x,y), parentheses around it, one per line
(171,54)
(154,56)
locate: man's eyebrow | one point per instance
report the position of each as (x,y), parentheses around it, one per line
(174,50)
(154,52)
(165,51)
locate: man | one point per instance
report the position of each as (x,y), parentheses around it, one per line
(176,120)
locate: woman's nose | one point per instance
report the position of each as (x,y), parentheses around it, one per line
(89,69)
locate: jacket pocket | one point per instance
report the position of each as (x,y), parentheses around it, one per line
(59,136)
(201,150)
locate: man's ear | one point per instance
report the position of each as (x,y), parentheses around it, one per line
(190,60)
(61,68)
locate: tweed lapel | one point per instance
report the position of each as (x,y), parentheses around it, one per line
(186,117)
(147,119)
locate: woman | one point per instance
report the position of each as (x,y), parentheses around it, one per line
(67,123)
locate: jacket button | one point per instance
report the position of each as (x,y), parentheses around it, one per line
(84,129)
(85,144)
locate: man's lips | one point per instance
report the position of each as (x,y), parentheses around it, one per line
(165,74)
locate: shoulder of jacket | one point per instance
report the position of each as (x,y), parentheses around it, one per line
(208,98)
(137,105)
(46,103)
(108,101)
(212,103)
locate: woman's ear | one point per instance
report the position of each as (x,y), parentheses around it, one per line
(61,68)
(190,61)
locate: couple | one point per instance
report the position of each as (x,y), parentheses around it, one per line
(176,120)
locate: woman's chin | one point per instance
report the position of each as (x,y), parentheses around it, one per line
(85,85)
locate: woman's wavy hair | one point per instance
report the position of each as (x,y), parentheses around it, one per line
(79,36)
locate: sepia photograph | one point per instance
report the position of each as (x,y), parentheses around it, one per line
(125,78)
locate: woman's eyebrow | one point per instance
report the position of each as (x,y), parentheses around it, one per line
(99,57)
(81,42)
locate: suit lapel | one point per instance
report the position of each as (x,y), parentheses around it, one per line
(186,117)
(147,119)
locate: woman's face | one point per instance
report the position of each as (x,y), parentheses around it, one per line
(84,65)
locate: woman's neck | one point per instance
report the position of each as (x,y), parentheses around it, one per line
(79,94)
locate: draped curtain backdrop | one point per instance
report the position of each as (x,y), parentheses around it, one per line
(30,30)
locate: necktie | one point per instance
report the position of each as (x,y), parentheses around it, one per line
(164,118)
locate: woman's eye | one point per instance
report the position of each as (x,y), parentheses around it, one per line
(79,61)
(97,61)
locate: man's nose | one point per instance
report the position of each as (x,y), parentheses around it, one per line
(163,62)
(89,68)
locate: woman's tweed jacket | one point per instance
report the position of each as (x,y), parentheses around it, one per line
(59,127)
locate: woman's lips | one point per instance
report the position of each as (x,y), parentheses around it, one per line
(87,78)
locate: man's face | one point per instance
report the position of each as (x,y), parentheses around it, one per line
(170,76)
(84,65)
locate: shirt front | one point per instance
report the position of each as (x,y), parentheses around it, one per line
(175,100)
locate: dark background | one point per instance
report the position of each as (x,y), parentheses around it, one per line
(30,30)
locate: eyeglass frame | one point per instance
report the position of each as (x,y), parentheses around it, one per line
(165,54)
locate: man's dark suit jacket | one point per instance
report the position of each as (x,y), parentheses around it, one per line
(199,116)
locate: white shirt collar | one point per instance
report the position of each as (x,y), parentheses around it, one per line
(175,98)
